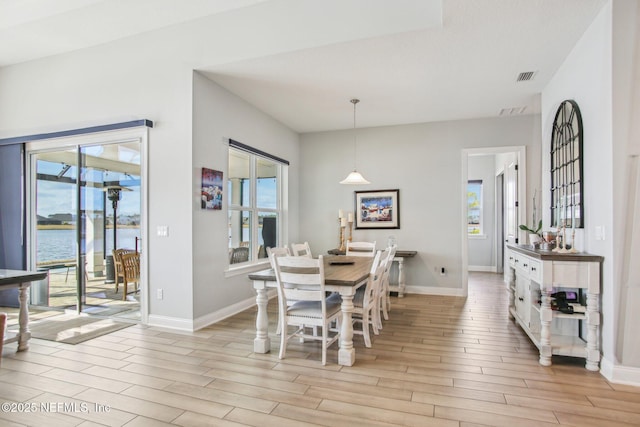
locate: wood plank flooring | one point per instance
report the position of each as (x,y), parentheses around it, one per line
(439,361)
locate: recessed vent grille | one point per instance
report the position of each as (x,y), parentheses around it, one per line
(526,76)
(513,111)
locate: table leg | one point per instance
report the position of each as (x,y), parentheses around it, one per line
(546,316)
(23,318)
(401,283)
(346,354)
(262,343)
(593,323)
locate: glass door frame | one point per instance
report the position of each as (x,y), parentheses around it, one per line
(137,134)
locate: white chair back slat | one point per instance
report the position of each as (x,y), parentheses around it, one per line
(364,249)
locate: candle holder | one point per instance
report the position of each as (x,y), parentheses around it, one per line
(563,249)
(350,231)
(573,242)
(341,235)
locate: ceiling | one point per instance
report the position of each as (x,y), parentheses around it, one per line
(408,61)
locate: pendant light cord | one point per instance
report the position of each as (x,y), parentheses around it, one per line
(354,101)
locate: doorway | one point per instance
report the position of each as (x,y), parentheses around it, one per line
(508,174)
(85,199)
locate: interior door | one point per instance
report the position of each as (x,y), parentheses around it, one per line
(511,203)
(500,222)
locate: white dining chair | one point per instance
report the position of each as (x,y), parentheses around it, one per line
(278,251)
(301,249)
(302,279)
(361,249)
(366,304)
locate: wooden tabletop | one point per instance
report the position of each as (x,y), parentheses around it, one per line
(399,253)
(341,275)
(555,256)
(16,277)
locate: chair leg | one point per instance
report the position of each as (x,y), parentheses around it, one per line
(365,330)
(283,340)
(325,335)
(124,290)
(386,305)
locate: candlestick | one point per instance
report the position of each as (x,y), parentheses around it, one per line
(350,231)
(343,222)
(573,249)
(350,217)
(342,248)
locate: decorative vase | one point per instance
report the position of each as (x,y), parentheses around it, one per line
(534,239)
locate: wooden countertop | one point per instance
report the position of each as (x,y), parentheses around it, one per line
(399,253)
(554,256)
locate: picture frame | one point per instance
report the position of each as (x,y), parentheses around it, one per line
(377,209)
(211,192)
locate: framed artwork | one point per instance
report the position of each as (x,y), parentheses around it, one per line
(211,189)
(378,209)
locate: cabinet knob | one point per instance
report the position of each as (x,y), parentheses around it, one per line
(533,269)
(521,299)
(525,265)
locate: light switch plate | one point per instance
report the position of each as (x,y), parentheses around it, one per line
(163,230)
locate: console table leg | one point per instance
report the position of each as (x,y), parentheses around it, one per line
(593,323)
(546,316)
(511,286)
(401,283)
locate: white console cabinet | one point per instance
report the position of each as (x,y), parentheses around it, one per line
(534,276)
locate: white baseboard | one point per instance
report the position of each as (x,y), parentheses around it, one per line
(433,290)
(216,316)
(485,268)
(620,374)
(170,322)
(203,321)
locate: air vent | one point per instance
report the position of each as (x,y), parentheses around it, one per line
(526,76)
(513,111)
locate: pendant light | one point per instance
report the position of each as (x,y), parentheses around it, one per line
(354,178)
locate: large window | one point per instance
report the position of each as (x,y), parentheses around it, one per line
(474,207)
(255,205)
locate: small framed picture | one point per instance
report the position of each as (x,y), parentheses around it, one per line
(211,189)
(378,209)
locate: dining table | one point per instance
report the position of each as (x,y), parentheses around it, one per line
(343,274)
(21,279)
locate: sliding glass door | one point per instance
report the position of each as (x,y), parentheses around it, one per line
(85,203)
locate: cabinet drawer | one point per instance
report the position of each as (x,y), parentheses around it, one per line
(523,265)
(535,270)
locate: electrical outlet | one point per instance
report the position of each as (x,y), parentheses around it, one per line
(159,294)
(442,271)
(162,231)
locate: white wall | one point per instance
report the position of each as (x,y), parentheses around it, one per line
(587,76)
(110,84)
(150,76)
(423,161)
(219,115)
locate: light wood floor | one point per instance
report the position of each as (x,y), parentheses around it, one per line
(439,361)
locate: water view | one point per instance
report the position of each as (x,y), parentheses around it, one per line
(60,244)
